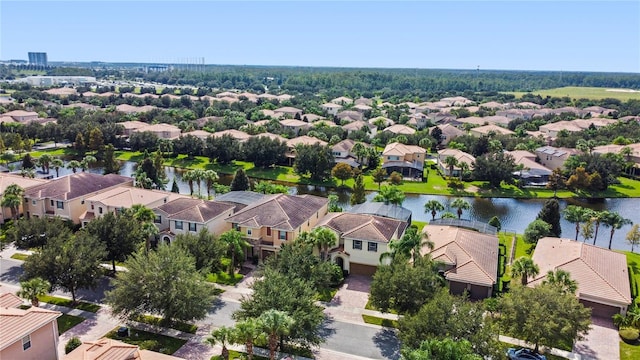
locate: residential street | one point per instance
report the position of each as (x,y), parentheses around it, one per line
(345,337)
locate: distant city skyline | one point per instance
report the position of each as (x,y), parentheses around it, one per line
(492,35)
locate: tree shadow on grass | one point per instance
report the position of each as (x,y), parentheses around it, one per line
(387,341)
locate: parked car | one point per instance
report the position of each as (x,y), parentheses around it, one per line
(524,354)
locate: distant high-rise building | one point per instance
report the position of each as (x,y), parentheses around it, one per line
(38,58)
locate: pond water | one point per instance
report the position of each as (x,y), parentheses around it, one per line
(514,214)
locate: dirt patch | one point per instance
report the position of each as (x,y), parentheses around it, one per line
(472,189)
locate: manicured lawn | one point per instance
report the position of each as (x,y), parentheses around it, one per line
(66,322)
(522,247)
(633,261)
(629,352)
(224,278)
(81,305)
(326,295)
(419,224)
(155,320)
(380,321)
(579,92)
(21,257)
(233,355)
(149,341)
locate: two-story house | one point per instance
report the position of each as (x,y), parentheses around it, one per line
(552,157)
(331,108)
(65,196)
(277,219)
(30,334)
(188,215)
(362,238)
(25,183)
(459,155)
(162,131)
(405,159)
(343,152)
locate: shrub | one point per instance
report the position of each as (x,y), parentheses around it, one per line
(455,184)
(629,335)
(72,344)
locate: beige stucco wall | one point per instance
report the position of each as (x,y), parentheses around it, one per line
(44,345)
(550,161)
(364,256)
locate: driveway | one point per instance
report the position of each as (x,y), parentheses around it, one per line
(349,302)
(602,342)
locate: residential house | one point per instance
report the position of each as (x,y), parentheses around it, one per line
(25,183)
(301,140)
(295,126)
(362,108)
(111,349)
(162,131)
(531,172)
(381,120)
(490,129)
(349,116)
(287,111)
(200,134)
(62,92)
(240,199)
(449,132)
(400,129)
(331,108)
(186,215)
(459,155)
(272,136)
(30,334)
(457,101)
(276,220)
(123,197)
(22,116)
(342,152)
(363,101)
(418,120)
(554,158)
(469,258)
(132,126)
(405,159)
(130,109)
(633,157)
(238,135)
(601,275)
(359,125)
(342,100)
(65,196)
(309,118)
(382,209)
(493,105)
(361,239)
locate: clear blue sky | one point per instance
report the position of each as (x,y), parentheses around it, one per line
(514,35)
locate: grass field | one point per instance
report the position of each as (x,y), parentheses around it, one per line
(21,257)
(594,93)
(633,261)
(178,325)
(380,321)
(81,305)
(629,352)
(149,341)
(66,322)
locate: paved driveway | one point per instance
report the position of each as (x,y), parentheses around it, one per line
(602,342)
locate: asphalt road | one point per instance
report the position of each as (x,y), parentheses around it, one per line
(360,340)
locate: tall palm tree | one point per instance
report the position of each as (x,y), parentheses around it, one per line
(223,336)
(145,217)
(562,279)
(464,167)
(210,177)
(597,217)
(45,162)
(460,205)
(12,199)
(33,288)
(390,195)
(576,215)
(199,176)
(87,161)
(189,177)
(57,163)
(324,239)
(74,165)
(235,245)
(524,268)
(275,324)
(434,206)
(247,332)
(451,162)
(409,245)
(615,221)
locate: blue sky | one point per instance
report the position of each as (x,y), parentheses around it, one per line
(512,35)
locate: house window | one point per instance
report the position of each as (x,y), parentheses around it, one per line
(235,226)
(26,342)
(373,247)
(179,225)
(357,244)
(158,219)
(249,232)
(282,235)
(51,202)
(92,206)
(100,210)
(33,202)
(59,204)
(192,226)
(268,231)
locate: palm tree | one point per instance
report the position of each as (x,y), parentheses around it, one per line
(412,243)
(33,288)
(390,195)
(434,206)
(210,178)
(463,168)
(45,161)
(189,177)
(145,217)
(57,163)
(451,162)
(247,332)
(12,199)
(576,214)
(597,217)
(223,336)
(615,221)
(275,324)
(562,279)
(460,204)
(524,268)
(626,152)
(235,245)
(359,150)
(324,239)
(74,165)
(87,161)
(633,236)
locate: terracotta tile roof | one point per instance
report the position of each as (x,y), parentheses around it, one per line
(324,122)
(311,117)
(331,106)
(401,129)
(203,212)
(20,113)
(288,110)
(386,121)
(601,274)
(8,300)
(342,100)
(23,182)
(200,134)
(133,125)
(18,323)
(272,136)
(473,254)
(400,149)
(177,205)
(305,140)
(126,197)
(129,109)
(484,130)
(293,123)
(458,154)
(281,211)
(160,128)
(236,134)
(75,185)
(357,125)
(364,227)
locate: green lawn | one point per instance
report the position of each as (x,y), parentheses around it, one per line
(233,355)
(149,341)
(223,278)
(576,92)
(419,224)
(629,352)
(81,305)
(21,257)
(380,321)
(633,261)
(177,325)
(66,322)
(522,247)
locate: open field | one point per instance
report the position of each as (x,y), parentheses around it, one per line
(594,93)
